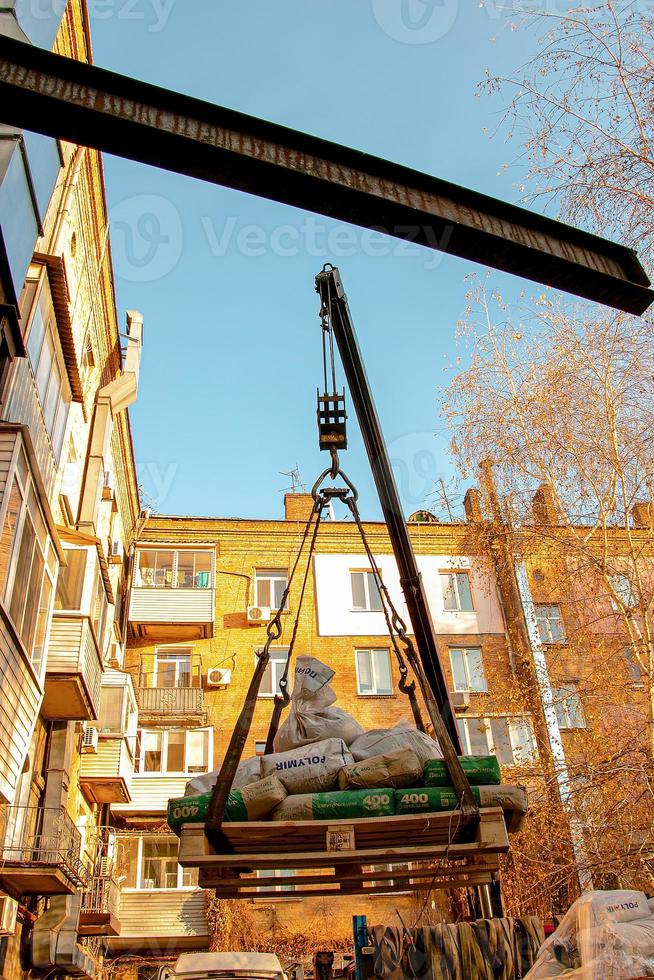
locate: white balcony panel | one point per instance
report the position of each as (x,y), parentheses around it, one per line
(172,605)
(150,794)
(73,670)
(149,916)
(106,775)
(21,699)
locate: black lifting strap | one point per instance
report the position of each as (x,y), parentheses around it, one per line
(282,700)
(234,753)
(394,622)
(469,808)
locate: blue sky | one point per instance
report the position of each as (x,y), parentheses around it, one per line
(225,280)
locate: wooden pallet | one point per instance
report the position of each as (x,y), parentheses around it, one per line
(336,857)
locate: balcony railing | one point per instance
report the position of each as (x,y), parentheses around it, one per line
(40,836)
(170,701)
(101,896)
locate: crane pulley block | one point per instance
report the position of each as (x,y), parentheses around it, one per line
(332,432)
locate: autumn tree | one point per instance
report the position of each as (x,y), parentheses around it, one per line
(583,111)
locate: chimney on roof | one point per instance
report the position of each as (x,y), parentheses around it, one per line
(543,506)
(297,506)
(642,514)
(472,506)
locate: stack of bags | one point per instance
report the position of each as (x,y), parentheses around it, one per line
(604,935)
(325,767)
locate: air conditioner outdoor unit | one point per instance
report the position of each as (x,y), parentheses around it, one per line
(8,913)
(258,615)
(219,677)
(90,739)
(460,699)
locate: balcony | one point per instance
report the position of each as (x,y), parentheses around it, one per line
(156,920)
(99,914)
(172,595)
(40,853)
(171,705)
(73,671)
(106,773)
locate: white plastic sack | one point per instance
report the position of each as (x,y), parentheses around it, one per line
(381,741)
(604,935)
(312,716)
(249,771)
(310,768)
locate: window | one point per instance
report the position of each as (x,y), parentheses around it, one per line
(168,569)
(567,705)
(151,862)
(269,587)
(274,670)
(28,564)
(550,624)
(621,585)
(182,751)
(456,592)
(99,609)
(259,748)
(374,672)
(45,357)
(365,593)
(70,584)
(633,667)
(511,739)
(468,669)
(176,667)
(277,873)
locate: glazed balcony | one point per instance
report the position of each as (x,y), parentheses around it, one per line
(40,852)
(73,671)
(173,595)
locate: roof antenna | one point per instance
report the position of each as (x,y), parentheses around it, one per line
(297,484)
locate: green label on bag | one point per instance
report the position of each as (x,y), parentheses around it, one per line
(348,804)
(481,770)
(428,799)
(194,809)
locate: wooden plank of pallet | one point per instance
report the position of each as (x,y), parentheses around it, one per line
(399,885)
(195,850)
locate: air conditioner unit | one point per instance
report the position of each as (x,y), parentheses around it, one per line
(219,677)
(90,739)
(258,615)
(8,914)
(460,700)
(116,552)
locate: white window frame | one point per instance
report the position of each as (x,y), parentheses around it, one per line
(165,654)
(542,620)
(375,693)
(93,585)
(453,574)
(21,473)
(277,664)
(139,869)
(465,651)
(368,577)
(281,873)
(165,733)
(38,273)
(270,575)
(463,724)
(566,715)
(624,588)
(175,552)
